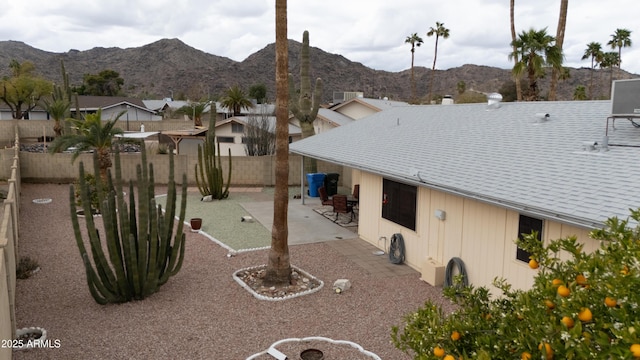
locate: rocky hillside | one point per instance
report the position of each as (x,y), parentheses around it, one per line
(170,66)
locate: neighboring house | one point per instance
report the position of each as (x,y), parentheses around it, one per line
(230,134)
(465,180)
(165,106)
(135,110)
(325,121)
(168,106)
(360,107)
(37,113)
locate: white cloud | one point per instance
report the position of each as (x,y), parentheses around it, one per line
(371,33)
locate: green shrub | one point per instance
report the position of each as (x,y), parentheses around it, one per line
(90,180)
(581,306)
(163,149)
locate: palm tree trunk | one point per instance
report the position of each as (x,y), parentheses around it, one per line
(57,128)
(104,163)
(413,81)
(515,54)
(562,24)
(278,265)
(591,80)
(433,70)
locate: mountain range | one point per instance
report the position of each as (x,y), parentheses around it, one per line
(171,68)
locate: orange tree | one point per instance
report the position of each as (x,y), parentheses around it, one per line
(581,306)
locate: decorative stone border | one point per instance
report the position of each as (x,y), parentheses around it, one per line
(272,349)
(33,343)
(262,297)
(232,251)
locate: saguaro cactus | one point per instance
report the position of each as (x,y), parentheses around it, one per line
(305,108)
(143,251)
(209,167)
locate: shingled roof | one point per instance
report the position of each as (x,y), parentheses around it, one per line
(512,156)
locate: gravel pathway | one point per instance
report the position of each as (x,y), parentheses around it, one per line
(201,313)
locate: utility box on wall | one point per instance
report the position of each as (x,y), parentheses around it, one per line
(432,272)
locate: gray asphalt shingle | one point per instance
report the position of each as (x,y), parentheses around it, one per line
(505,155)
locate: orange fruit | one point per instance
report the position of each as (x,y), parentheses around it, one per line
(449,357)
(547,349)
(525,356)
(581,280)
(557,282)
(610,302)
(635,350)
(625,270)
(585,315)
(563,291)
(568,322)
(549,304)
(455,336)
(438,351)
(533,264)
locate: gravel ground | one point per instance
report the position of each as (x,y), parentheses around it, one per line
(201,313)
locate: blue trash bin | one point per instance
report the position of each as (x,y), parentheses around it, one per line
(315,181)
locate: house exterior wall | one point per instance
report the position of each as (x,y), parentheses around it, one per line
(481,234)
(319,125)
(355,110)
(237,147)
(322,126)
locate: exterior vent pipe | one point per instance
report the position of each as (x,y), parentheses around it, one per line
(493,101)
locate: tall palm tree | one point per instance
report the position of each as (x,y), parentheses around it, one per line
(609,61)
(279,266)
(621,38)
(415,41)
(58,107)
(536,50)
(92,134)
(513,41)
(562,24)
(593,51)
(438,31)
(235,100)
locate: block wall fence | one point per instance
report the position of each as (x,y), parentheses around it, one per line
(58,168)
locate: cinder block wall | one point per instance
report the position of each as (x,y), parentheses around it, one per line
(57,168)
(246,170)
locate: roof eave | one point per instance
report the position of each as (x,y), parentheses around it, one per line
(520,208)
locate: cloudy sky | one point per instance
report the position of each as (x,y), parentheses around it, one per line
(370,32)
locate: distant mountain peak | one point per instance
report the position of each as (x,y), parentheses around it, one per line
(170,66)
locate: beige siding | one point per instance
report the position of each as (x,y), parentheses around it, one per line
(355,110)
(483,241)
(370,208)
(482,235)
(237,147)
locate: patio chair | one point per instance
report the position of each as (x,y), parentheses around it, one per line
(324,197)
(341,206)
(356,191)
